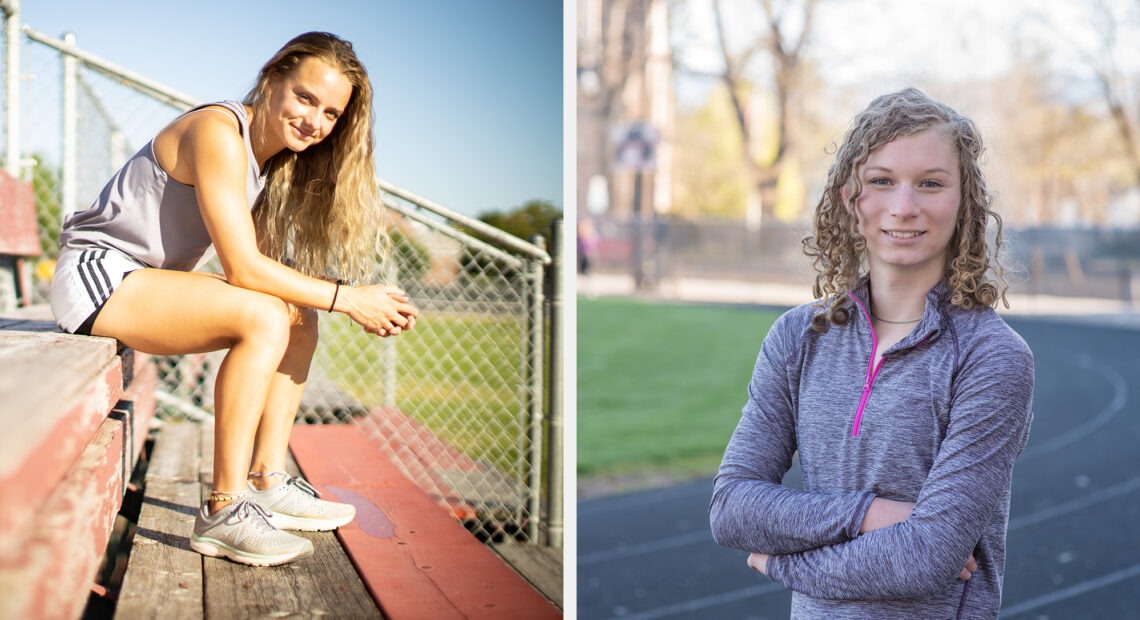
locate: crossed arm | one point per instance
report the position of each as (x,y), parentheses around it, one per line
(854,545)
(881,513)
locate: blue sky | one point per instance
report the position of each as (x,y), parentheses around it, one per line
(469,100)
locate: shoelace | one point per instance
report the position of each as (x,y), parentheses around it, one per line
(304,486)
(243,512)
(296,481)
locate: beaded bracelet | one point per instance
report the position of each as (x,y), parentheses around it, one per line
(225,496)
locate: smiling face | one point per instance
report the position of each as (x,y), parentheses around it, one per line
(908,208)
(306,103)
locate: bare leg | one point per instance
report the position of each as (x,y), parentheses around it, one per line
(271,443)
(172,313)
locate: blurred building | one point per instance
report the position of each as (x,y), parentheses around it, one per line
(625,97)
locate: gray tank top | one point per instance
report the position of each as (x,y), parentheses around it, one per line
(150,217)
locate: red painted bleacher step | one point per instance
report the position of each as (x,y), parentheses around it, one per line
(415,559)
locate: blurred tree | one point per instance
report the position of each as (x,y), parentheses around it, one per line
(710,177)
(786,31)
(1066,115)
(46,189)
(534,217)
(1118,26)
(412,258)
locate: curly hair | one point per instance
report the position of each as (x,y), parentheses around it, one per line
(838,251)
(320,207)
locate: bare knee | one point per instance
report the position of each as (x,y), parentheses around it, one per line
(265,320)
(304,328)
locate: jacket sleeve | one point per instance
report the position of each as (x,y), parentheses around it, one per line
(751,510)
(990,414)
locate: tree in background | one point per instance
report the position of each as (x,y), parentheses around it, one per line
(710,178)
(412,259)
(532,218)
(1063,120)
(1118,25)
(45,188)
(783,37)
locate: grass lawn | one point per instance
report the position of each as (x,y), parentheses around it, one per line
(660,386)
(458,374)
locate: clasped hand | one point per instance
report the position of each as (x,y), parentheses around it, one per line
(381,309)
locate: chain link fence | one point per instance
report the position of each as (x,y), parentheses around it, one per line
(458,403)
(1101,263)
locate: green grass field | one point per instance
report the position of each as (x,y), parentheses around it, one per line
(458,374)
(660,386)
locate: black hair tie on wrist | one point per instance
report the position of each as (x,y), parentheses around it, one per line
(335,294)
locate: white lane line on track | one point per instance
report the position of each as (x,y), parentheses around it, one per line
(1119,400)
(645,498)
(645,547)
(1107,493)
(1076,589)
(704,602)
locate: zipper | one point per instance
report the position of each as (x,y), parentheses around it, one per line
(872,369)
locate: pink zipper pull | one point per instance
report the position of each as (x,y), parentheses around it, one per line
(872,370)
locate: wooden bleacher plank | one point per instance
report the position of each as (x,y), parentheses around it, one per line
(69,383)
(541,566)
(20,234)
(206,464)
(177,453)
(324,584)
(416,559)
(164,576)
(50,572)
(140,392)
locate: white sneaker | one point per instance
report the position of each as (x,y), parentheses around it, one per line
(243,533)
(296,505)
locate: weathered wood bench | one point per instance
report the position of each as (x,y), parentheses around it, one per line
(19,241)
(74,413)
(166,579)
(403,557)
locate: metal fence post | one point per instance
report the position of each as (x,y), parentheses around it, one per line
(535,352)
(554,391)
(12,85)
(70,172)
(389,355)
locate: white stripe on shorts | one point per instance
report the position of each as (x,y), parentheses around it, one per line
(84,281)
(94,276)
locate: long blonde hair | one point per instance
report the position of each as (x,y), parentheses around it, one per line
(838,252)
(320,207)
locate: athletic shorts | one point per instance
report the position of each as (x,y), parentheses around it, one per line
(84,281)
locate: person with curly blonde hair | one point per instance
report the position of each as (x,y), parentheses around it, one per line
(282,186)
(905,396)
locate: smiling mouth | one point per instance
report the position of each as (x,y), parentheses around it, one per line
(904,234)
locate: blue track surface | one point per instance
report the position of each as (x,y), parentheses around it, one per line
(1074,532)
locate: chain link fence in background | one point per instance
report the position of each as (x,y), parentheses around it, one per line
(458,403)
(1074,262)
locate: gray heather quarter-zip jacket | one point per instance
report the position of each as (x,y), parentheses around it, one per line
(938,422)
